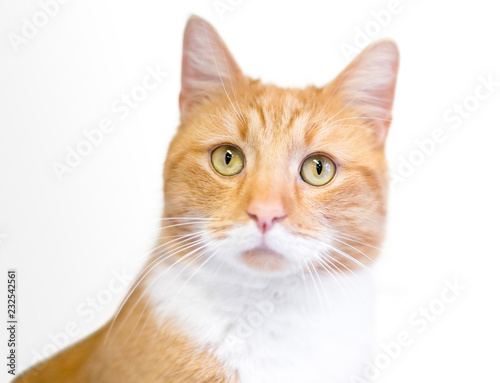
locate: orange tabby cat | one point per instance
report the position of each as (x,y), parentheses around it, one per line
(275,205)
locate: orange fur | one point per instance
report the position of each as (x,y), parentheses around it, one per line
(276,129)
(132,353)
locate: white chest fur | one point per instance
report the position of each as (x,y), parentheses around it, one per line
(311,329)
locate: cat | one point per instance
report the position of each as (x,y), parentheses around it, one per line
(275,208)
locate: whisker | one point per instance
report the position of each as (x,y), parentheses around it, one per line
(336,239)
(330,260)
(170,284)
(314,282)
(322,264)
(156,264)
(187,218)
(179,224)
(351,258)
(349,301)
(192,275)
(196,271)
(359,251)
(143,275)
(342,235)
(217,268)
(301,269)
(184,237)
(327,299)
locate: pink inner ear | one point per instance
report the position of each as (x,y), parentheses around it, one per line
(207,64)
(369,83)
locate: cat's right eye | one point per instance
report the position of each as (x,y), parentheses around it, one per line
(227,160)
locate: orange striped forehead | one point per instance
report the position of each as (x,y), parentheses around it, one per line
(272,124)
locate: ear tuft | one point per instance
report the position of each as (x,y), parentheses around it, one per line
(207,64)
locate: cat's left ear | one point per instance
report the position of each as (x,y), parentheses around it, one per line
(207,65)
(368,85)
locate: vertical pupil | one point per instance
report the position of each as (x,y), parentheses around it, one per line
(319,166)
(229,155)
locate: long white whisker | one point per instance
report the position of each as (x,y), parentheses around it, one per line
(196,271)
(322,263)
(314,282)
(327,299)
(330,260)
(357,241)
(359,251)
(346,255)
(173,280)
(178,224)
(187,218)
(184,237)
(144,274)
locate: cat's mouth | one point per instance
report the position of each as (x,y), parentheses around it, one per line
(278,251)
(264,259)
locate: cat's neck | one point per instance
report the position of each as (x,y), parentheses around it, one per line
(300,317)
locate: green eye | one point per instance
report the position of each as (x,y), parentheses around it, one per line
(227,160)
(318,170)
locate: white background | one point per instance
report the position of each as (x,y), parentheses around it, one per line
(67,238)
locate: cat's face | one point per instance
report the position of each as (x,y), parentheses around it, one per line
(277,180)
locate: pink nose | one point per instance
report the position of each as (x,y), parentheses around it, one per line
(266,214)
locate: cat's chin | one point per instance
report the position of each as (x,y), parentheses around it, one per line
(265,260)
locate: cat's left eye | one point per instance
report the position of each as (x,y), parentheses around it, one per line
(318,170)
(227,160)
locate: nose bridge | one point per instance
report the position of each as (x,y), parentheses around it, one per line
(269,173)
(266,199)
(267,187)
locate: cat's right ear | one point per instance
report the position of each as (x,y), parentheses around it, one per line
(207,65)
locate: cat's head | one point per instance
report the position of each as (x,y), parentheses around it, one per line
(277,180)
